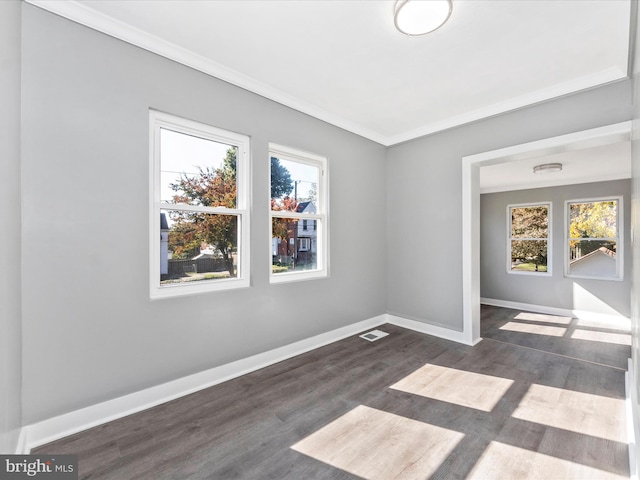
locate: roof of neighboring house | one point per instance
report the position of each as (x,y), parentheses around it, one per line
(302,206)
(604,250)
(163,222)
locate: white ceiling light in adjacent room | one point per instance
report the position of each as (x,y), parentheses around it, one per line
(547,168)
(419,17)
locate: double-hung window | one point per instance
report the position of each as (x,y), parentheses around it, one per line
(299,223)
(199,204)
(593,248)
(529,239)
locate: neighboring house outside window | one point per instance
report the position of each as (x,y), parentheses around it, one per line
(529,238)
(593,229)
(299,239)
(199,206)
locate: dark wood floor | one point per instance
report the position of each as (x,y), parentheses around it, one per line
(407,406)
(598,341)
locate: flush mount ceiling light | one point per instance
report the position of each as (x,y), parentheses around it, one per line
(547,168)
(419,17)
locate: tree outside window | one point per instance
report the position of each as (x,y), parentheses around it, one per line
(529,238)
(593,239)
(199,206)
(298,215)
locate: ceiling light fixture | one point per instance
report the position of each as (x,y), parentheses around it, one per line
(419,17)
(547,168)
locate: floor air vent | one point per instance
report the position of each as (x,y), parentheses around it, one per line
(374,335)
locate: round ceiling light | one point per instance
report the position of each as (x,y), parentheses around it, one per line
(547,168)
(419,17)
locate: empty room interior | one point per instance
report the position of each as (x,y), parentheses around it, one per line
(320,239)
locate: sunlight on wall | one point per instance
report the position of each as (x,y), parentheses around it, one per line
(574,411)
(505,461)
(534,329)
(468,389)
(543,318)
(583,300)
(377,445)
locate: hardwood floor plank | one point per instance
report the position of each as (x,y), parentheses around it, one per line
(572,337)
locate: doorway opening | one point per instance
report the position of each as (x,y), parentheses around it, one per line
(471,165)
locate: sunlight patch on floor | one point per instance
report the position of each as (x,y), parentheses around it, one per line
(505,461)
(611,323)
(584,413)
(377,445)
(468,389)
(604,337)
(542,317)
(534,329)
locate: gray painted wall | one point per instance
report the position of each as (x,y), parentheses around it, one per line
(10,339)
(90,331)
(601,296)
(424,196)
(635,225)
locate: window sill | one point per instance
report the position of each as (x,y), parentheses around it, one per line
(297,276)
(535,274)
(172,291)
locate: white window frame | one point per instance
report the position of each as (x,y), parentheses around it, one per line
(548,273)
(321,216)
(157,121)
(619,238)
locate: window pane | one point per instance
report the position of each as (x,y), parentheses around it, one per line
(294,186)
(593,258)
(529,222)
(529,255)
(197,246)
(197,171)
(292,248)
(593,219)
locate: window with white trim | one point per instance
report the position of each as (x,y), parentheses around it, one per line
(593,244)
(529,238)
(299,238)
(199,226)
(304,244)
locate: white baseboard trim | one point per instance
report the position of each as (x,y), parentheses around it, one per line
(73,422)
(565,312)
(633,424)
(22,448)
(428,328)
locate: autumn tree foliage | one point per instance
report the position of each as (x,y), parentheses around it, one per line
(211,187)
(281,188)
(283,228)
(593,220)
(527,225)
(216,187)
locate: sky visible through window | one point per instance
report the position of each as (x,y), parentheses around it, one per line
(184,154)
(306,177)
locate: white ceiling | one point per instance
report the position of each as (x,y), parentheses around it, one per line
(343,61)
(596,164)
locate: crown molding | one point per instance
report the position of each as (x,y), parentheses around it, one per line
(560,90)
(79,13)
